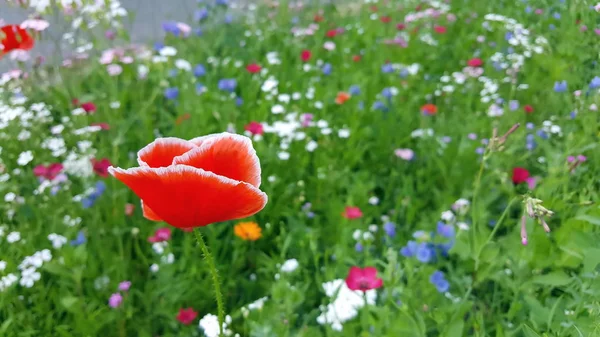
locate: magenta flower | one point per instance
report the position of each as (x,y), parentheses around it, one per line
(352,213)
(363,279)
(160,235)
(124,286)
(115,300)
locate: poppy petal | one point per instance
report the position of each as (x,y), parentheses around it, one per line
(225,154)
(160,153)
(185,196)
(149,213)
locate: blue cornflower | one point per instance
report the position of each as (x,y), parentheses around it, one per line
(354,90)
(542,134)
(444,230)
(239,101)
(379,106)
(171,93)
(508,36)
(530,126)
(171,27)
(387,93)
(222,2)
(404,73)
(556,15)
(595,82)
(198,31)
(201,14)
(438,279)
(551,26)
(228,18)
(513,105)
(158,46)
(573,114)
(89,201)
(199,70)
(227,84)
(172,73)
(358,247)
(480,150)
(390,229)
(326,69)
(560,86)
(528,9)
(424,252)
(387,68)
(445,247)
(79,240)
(410,249)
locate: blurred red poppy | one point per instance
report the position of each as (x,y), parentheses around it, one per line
(14,37)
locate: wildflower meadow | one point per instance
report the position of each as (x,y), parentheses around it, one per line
(302,168)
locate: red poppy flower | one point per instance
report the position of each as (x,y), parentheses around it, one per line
(528,109)
(385,19)
(352,213)
(253,68)
(475,62)
(342,97)
(194,183)
(356,58)
(13,37)
(429,109)
(439,29)
(48,172)
(519,175)
(255,128)
(305,55)
(89,107)
(187,316)
(101,167)
(331,33)
(363,279)
(160,235)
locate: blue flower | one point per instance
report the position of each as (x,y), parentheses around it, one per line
(560,86)
(239,101)
(513,105)
(551,26)
(444,230)
(387,93)
(387,68)
(542,134)
(358,247)
(390,229)
(172,73)
(201,14)
(79,240)
(158,46)
(228,18)
(222,2)
(354,90)
(200,88)
(438,279)
(90,200)
(198,31)
(404,73)
(379,106)
(410,249)
(171,27)
(327,69)
(227,84)
(171,93)
(424,252)
(508,36)
(556,15)
(595,83)
(199,70)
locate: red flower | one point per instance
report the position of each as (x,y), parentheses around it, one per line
(103,126)
(318,18)
(253,68)
(89,107)
(429,109)
(363,279)
(439,29)
(160,235)
(194,183)
(528,109)
(352,213)
(75,102)
(101,167)
(186,316)
(331,33)
(13,37)
(356,58)
(385,19)
(374,8)
(255,128)
(48,172)
(519,175)
(305,55)
(400,26)
(475,62)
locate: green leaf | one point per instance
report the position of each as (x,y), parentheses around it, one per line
(68,302)
(592,259)
(529,332)
(455,328)
(594,220)
(553,279)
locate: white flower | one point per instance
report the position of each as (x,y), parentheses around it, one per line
(29,276)
(289,266)
(373,228)
(168,51)
(258,304)
(101,282)
(463,226)
(283,98)
(210,325)
(344,133)
(25,158)
(7,281)
(283,155)
(270,84)
(13,237)
(311,146)
(373,200)
(57,240)
(271,179)
(167,259)
(2,265)
(329,45)
(346,304)
(10,197)
(277,109)
(159,247)
(183,65)
(447,216)
(154,268)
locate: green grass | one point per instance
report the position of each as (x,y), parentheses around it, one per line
(497,286)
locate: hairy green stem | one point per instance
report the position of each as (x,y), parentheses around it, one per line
(215,276)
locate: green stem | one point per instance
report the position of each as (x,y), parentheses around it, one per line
(215,276)
(491,236)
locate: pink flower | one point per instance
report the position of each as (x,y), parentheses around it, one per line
(160,235)
(255,128)
(35,24)
(475,62)
(186,316)
(89,107)
(352,213)
(406,154)
(48,172)
(439,29)
(101,167)
(184,28)
(129,208)
(124,286)
(363,279)
(306,119)
(531,182)
(114,69)
(115,300)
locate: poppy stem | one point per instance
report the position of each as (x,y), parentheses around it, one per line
(215,276)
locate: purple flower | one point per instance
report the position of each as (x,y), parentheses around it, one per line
(387,68)
(201,14)
(513,105)
(158,46)
(227,84)
(200,88)
(239,101)
(387,93)
(560,86)
(379,106)
(79,240)
(124,286)
(390,229)
(595,82)
(90,200)
(444,230)
(354,90)
(171,27)
(358,247)
(410,249)
(171,93)
(439,281)
(424,252)
(115,300)
(199,70)
(327,69)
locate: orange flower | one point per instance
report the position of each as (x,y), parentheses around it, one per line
(182,118)
(429,109)
(13,37)
(342,97)
(198,182)
(249,231)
